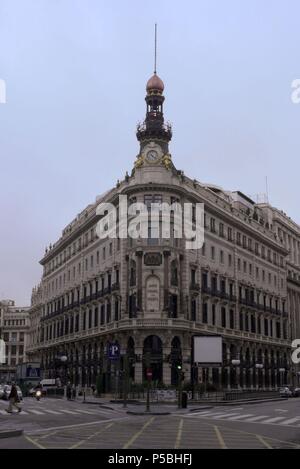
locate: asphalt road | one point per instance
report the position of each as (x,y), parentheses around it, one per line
(59,423)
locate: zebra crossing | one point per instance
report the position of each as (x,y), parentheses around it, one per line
(43,410)
(234,416)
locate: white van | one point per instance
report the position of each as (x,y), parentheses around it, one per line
(47,385)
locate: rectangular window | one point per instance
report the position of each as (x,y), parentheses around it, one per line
(221,230)
(96,317)
(102,316)
(222,257)
(229,232)
(223,317)
(204,313)
(212,252)
(193,276)
(116,310)
(231,319)
(213,314)
(108,311)
(212,225)
(193,310)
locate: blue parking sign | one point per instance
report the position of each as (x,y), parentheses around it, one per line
(114,351)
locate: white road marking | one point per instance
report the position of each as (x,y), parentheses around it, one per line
(52,411)
(85,411)
(218,416)
(37,412)
(77,425)
(289,421)
(68,411)
(273,420)
(200,413)
(240,417)
(258,417)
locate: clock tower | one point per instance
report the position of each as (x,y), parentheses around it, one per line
(154,129)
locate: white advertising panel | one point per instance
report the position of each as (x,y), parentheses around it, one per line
(2,351)
(208,349)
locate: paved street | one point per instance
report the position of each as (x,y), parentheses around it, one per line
(58,423)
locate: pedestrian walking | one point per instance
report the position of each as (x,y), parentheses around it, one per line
(13,400)
(69,391)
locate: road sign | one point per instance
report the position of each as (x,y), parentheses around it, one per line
(113,351)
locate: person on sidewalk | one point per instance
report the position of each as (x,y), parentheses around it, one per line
(69,391)
(13,399)
(74,392)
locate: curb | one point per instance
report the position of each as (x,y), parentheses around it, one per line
(131,412)
(103,406)
(10,433)
(201,408)
(241,402)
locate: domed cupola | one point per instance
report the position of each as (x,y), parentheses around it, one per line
(154,128)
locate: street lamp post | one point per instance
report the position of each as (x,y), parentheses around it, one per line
(259,367)
(281,371)
(235,364)
(180,375)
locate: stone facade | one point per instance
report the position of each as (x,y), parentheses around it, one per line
(153,295)
(14,324)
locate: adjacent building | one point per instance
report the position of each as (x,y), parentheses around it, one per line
(152,295)
(14,325)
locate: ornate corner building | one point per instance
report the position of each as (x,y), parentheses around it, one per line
(152,295)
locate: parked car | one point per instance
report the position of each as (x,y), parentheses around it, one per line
(296,392)
(285,392)
(6,392)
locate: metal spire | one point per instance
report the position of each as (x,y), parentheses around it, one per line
(155,48)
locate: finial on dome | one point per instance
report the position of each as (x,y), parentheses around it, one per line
(155,83)
(155,48)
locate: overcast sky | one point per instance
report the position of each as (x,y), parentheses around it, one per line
(75,72)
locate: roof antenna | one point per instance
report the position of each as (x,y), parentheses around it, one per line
(155,48)
(267,190)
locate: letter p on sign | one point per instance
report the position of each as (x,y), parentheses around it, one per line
(2,351)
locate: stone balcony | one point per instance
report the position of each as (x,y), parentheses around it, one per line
(163,323)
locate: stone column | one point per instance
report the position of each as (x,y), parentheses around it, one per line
(181,273)
(228,367)
(139,255)
(166,279)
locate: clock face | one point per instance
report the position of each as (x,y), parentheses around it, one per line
(152,155)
